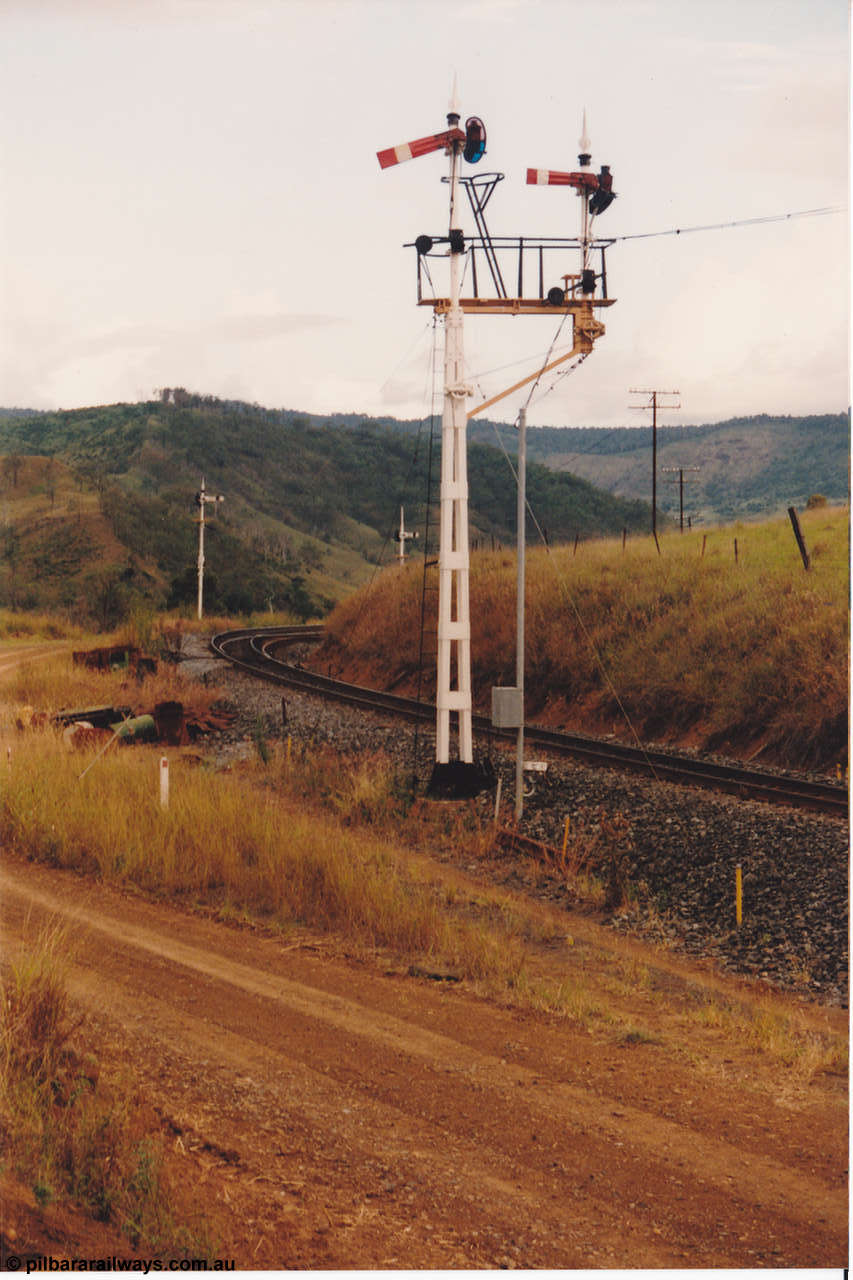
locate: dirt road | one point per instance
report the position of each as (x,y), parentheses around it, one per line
(336,1113)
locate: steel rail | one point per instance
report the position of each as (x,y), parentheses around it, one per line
(250,650)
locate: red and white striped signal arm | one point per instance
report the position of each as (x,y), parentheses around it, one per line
(420,147)
(554,178)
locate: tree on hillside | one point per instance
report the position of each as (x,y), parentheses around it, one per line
(107,598)
(50,479)
(12,464)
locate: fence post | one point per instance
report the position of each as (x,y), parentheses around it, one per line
(798,534)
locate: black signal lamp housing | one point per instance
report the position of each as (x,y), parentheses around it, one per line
(475,140)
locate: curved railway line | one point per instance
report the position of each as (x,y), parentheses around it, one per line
(256,651)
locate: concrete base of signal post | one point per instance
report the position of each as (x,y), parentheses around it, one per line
(460,779)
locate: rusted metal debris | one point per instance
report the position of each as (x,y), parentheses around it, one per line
(109,657)
(169,723)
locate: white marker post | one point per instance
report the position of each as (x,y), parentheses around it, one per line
(164,783)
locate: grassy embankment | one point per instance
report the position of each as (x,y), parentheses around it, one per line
(145,627)
(69,1131)
(747,654)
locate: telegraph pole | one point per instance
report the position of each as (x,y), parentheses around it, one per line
(680,472)
(653,405)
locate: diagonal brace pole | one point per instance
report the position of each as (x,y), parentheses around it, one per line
(577,346)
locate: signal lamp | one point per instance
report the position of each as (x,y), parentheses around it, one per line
(475,139)
(556,297)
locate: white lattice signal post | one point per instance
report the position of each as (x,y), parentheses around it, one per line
(454,615)
(453,679)
(576,298)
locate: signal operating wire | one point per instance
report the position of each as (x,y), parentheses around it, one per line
(511,364)
(564,373)
(426,559)
(567,595)
(547,359)
(416,341)
(428,393)
(740,222)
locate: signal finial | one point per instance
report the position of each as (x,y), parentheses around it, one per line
(585,154)
(453,105)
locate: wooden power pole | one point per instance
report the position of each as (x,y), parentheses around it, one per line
(654,404)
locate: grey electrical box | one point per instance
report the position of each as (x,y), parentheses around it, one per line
(507,707)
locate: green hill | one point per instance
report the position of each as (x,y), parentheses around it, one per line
(745,467)
(97,505)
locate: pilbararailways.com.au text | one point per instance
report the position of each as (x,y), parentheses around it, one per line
(44,1262)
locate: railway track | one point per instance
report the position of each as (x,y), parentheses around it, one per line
(256,651)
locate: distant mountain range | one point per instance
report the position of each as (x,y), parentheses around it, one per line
(97,505)
(741,468)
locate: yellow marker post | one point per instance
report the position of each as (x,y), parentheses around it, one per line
(566,835)
(738,895)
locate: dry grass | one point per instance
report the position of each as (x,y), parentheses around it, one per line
(57,683)
(16,625)
(274,857)
(743,652)
(146,627)
(594,857)
(67,1132)
(763,1029)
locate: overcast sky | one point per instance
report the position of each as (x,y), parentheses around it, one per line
(191,197)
